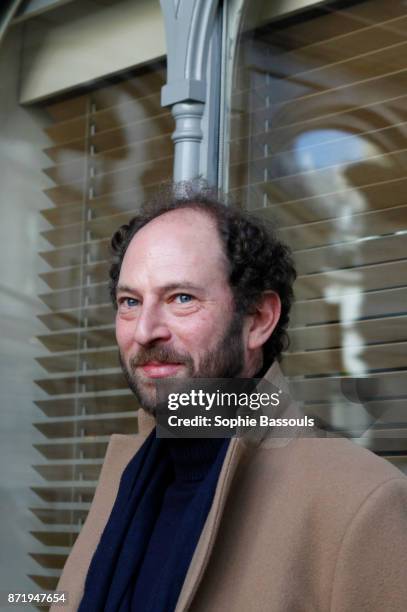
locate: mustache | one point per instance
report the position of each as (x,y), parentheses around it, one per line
(162,354)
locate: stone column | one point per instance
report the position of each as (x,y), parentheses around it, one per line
(189,25)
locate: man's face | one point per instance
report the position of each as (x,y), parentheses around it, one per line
(175,316)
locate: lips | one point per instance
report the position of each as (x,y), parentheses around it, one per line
(158,369)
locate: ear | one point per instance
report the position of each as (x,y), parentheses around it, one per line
(263,320)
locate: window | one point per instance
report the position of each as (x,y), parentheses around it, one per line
(76,167)
(109,149)
(316,143)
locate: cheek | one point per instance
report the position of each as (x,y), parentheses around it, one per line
(123,334)
(202,333)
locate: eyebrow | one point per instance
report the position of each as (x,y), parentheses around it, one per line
(164,288)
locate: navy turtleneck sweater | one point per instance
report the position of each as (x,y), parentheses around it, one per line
(190,461)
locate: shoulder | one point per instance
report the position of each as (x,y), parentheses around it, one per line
(342,456)
(323,468)
(373,547)
(346,460)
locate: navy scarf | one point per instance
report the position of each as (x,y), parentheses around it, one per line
(114,568)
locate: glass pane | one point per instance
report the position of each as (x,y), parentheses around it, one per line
(316,142)
(74,168)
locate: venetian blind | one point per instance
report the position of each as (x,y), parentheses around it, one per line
(319,146)
(109,148)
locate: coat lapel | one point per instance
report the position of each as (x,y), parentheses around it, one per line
(206,542)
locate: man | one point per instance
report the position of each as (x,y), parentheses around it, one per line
(247,524)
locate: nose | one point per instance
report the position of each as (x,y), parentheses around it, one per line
(151,325)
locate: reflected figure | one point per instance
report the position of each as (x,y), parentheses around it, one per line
(317,146)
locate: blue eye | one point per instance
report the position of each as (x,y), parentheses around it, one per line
(131,302)
(183,298)
(128,302)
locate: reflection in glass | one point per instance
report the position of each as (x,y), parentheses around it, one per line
(317,144)
(109,148)
(76,168)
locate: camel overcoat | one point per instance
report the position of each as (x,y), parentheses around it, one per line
(300,524)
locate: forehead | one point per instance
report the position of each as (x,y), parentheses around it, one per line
(179,245)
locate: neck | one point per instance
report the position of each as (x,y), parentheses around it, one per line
(253,366)
(192,457)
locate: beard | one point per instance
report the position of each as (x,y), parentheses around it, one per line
(224,361)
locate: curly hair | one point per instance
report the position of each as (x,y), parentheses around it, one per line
(257,260)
